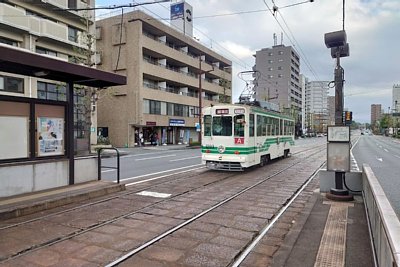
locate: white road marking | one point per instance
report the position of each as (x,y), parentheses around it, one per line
(386,150)
(166,156)
(172,160)
(153,194)
(397,156)
(108,171)
(380,159)
(155,173)
(162,176)
(144,154)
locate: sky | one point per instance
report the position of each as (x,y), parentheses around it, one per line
(237,29)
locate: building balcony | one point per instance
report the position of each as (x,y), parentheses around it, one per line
(16,18)
(186,79)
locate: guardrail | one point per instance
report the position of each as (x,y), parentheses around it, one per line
(108,167)
(383,221)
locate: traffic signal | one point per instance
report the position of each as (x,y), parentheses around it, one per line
(348,117)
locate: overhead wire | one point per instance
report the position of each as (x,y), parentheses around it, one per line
(290,39)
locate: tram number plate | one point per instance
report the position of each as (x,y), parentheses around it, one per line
(239,140)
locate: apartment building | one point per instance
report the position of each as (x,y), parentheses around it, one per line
(279,81)
(396,98)
(169,76)
(54,28)
(317,112)
(376,114)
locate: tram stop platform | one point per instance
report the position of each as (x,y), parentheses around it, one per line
(328,233)
(24,204)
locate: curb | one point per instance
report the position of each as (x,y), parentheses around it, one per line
(63,199)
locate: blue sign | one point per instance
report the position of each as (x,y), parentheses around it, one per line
(176,122)
(177,11)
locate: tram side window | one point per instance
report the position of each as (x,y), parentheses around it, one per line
(251,125)
(261,125)
(222,126)
(207,125)
(274,126)
(239,123)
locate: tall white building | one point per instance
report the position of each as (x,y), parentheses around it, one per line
(396,98)
(316,106)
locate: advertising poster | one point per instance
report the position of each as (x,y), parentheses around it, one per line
(177,11)
(50,135)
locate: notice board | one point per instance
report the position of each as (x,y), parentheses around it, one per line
(14,132)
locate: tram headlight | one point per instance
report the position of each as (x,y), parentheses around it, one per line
(221,149)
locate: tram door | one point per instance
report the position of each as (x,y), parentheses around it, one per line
(252,137)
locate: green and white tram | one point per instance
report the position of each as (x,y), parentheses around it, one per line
(238,136)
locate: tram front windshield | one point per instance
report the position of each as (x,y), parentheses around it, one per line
(224,125)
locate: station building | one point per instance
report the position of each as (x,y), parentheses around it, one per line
(54,29)
(46,115)
(168,74)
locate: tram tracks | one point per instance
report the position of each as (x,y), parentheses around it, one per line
(248,248)
(222,177)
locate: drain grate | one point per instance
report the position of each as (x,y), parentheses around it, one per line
(332,248)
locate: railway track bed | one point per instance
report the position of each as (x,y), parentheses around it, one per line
(209,220)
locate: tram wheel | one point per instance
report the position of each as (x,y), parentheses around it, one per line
(263,160)
(286,153)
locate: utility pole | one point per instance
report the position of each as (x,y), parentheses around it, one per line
(200,101)
(201,72)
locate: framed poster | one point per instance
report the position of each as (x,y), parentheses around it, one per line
(50,136)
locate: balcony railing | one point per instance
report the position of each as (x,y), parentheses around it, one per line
(177,48)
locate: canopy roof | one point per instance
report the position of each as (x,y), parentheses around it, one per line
(23,62)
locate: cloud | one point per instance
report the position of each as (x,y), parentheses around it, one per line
(372,28)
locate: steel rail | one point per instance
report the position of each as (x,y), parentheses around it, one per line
(172,230)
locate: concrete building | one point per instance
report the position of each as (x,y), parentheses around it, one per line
(36,27)
(331,110)
(163,67)
(317,113)
(279,82)
(396,98)
(376,114)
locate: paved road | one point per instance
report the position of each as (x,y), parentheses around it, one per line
(138,162)
(141,162)
(382,154)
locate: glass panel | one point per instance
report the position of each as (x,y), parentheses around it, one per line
(14,85)
(251,125)
(222,126)
(207,125)
(239,125)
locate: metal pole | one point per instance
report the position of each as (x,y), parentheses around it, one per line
(70,132)
(200,103)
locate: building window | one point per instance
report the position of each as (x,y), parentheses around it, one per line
(280,68)
(270,68)
(170,109)
(11,84)
(280,76)
(155,107)
(280,52)
(51,91)
(270,54)
(8,41)
(73,34)
(280,60)
(45,51)
(178,110)
(270,61)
